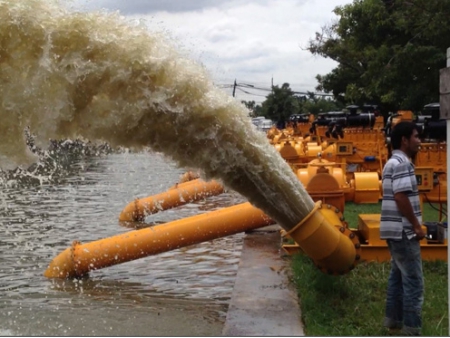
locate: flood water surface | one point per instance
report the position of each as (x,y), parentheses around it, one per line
(184,292)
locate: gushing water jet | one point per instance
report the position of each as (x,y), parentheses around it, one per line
(96,77)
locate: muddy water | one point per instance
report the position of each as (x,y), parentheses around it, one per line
(100,77)
(184,292)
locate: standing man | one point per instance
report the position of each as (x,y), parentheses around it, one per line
(401,227)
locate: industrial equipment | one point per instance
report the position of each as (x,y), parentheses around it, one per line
(324,235)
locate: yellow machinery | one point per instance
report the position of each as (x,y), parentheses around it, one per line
(301,124)
(298,125)
(372,248)
(434,155)
(433,149)
(360,151)
(365,149)
(323,234)
(368,154)
(298,150)
(356,141)
(324,178)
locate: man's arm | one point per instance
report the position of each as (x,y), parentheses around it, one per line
(405,208)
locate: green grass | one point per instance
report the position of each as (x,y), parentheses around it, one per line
(352,211)
(353,304)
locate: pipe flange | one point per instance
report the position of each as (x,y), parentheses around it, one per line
(75,262)
(355,240)
(317,205)
(73,258)
(138,214)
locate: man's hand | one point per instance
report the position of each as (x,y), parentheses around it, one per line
(420,234)
(405,208)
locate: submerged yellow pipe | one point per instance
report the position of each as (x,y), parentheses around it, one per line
(321,235)
(79,259)
(180,194)
(188,176)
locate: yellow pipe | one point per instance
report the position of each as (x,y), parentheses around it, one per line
(322,236)
(188,176)
(79,259)
(183,184)
(178,195)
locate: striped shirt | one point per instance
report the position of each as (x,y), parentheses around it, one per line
(398,176)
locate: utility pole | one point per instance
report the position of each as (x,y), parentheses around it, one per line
(234,87)
(444,107)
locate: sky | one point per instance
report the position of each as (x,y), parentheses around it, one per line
(252,42)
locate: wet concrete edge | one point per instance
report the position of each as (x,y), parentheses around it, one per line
(264,302)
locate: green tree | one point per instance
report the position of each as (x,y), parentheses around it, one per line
(388,52)
(280,104)
(254,109)
(315,104)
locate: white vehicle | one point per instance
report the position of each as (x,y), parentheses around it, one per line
(265,125)
(257,120)
(262,123)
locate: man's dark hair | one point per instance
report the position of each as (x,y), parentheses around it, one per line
(401,129)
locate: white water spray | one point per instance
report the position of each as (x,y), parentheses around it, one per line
(92,75)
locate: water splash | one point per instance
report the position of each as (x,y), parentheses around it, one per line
(93,75)
(53,164)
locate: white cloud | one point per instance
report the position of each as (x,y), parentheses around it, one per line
(251,41)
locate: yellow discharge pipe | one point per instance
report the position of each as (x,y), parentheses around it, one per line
(180,194)
(79,259)
(322,236)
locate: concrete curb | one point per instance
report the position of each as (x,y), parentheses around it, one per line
(263,303)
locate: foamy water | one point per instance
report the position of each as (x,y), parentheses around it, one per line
(93,75)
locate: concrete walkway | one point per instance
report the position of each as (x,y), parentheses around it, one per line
(263,303)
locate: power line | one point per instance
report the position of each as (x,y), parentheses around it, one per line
(246,92)
(257,91)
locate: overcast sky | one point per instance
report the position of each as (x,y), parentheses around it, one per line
(252,41)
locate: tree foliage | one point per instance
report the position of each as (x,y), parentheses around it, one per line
(254,109)
(283,102)
(313,104)
(280,104)
(388,52)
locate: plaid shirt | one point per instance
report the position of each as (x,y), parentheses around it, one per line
(398,176)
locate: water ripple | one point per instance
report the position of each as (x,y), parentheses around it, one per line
(39,221)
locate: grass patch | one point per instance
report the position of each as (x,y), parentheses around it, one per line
(352,211)
(353,304)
